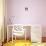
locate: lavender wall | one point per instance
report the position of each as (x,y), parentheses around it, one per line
(36,13)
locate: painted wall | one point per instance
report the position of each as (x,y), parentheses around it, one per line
(36,13)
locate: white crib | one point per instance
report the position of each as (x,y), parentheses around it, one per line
(35,32)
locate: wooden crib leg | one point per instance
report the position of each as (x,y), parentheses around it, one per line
(7,34)
(15,38)
(12,36)
(25,36)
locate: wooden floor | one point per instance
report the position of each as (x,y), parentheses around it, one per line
(18,43)
(23,43)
